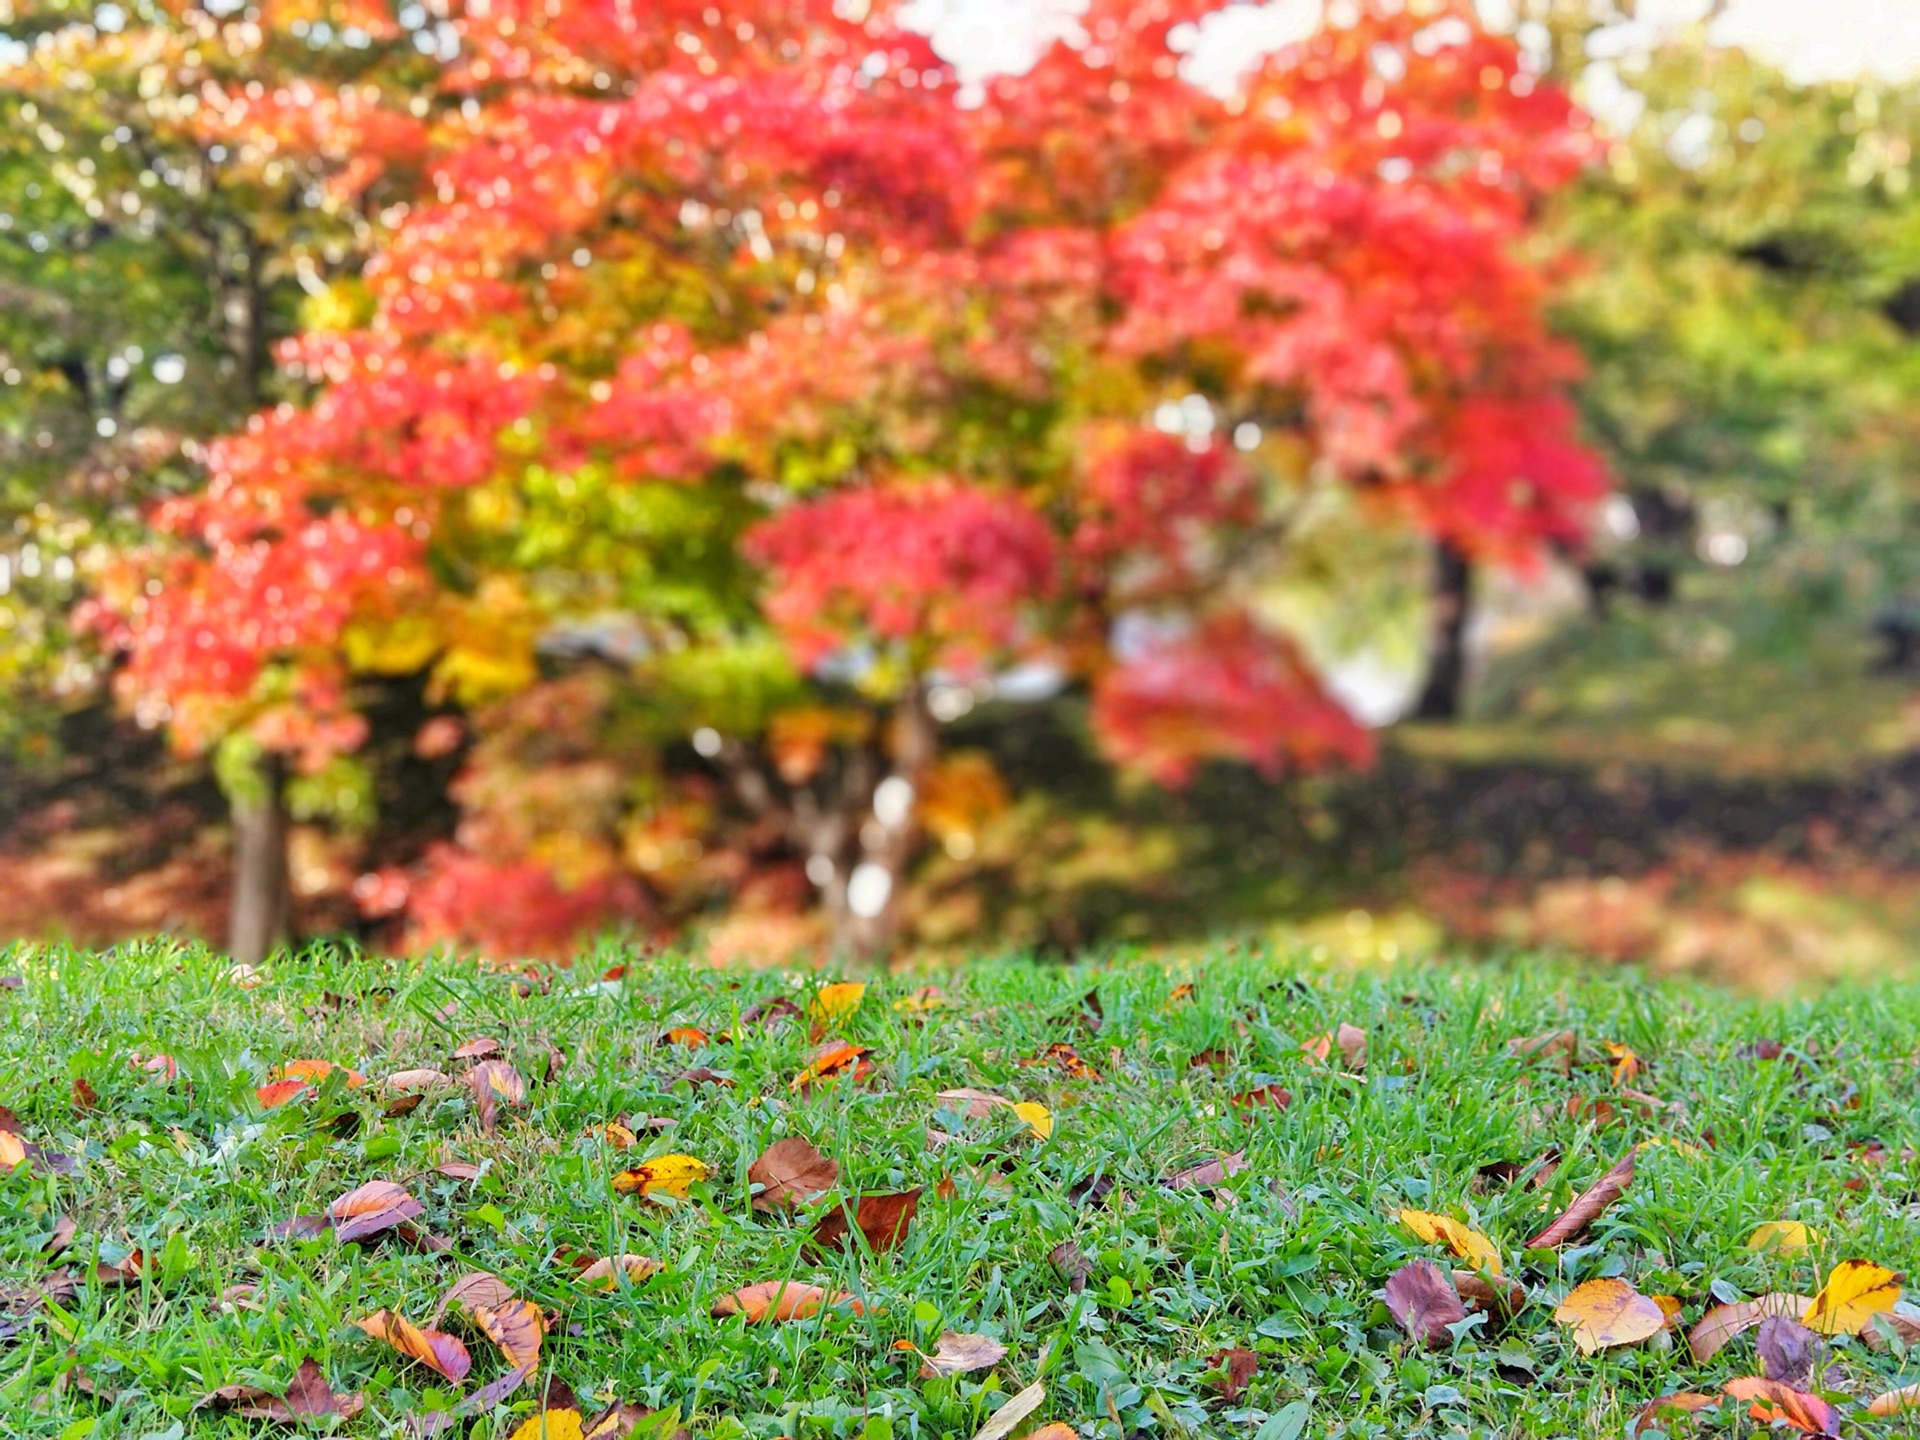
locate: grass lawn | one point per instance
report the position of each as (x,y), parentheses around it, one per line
(1285,1258)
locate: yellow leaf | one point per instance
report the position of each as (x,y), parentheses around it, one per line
(1039,1119)
(1784,1236)
(1469,1244)
(836,1002)
(1605,1313)
(663,1175)
(515,1327)
(552,1425)
(1855,1292)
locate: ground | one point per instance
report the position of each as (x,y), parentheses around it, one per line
(1738,1112)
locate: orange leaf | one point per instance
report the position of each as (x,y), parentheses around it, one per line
(1605,1313)
(1775,1401)
(276,1093)
(781,1300)
(830,1060)
(1723,1322)
(316,1071)
(604,1274)
(687,1035)
(515,1328)
(881,1219)
(432,1348)
(1586,1206)
(377,1206)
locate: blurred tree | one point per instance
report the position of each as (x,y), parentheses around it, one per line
(734,362)
(176,182)
(1750,314)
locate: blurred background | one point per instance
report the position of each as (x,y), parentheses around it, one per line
(824,476)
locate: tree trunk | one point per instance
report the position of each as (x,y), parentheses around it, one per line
(863,928)
(1447,653)
(260,918)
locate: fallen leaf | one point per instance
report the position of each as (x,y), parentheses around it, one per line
(781,1300)
(316,1071)
(1463,1240)
(1606,1313)
(703,1075)
(669,1175)
(308,1396)
(1352,1041)
(162,1065)
(1072,1263)
(1894,1402)
(13,1150)
(1557,1046)
(927,997)
(959,1354)
(515,1328)
(460,1170)
(1237,1367)
(1781,1236)
(476,1287)
(1626,1065)
(604,1274)
(372,1209)
(1018,1406)
(615,1134)
(1684,1402)
(1497,1296)
(1789,1352)
(86,1099)
(834,1003)
(1066,1058)
(1774,1402)
(1181,994)
(1855,1292)
(276,1093)
(434,1349)
(480,1048)
(1273,1096)
(978,1104)
(61,1236)
(1054,1430)
(1038,1118)
(126,1272)
(1424,1303)
(790,1171)
(1586,1206)
(494,1082)
(300,1227)
(1208,1173)
(690,1036)
(830,1061)
(410,1082)
(881,1219)
(1720,1324)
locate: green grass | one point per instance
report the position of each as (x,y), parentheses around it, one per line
(1286,1259)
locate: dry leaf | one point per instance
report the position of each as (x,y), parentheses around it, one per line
(1789,1352)
(314,1071)
(412,1082)
(1352,1041)
(959,1354)
(515,1328)
(1238,1368)
(1054,1430)
(1505,1298)
(475,1288)
(881,1219)
(1556,1046)
(605,1274)
(1208,1173)
(1423,1301)
(1605,1313)
(833,1004)
(927,997)
(1894,1402)
(127,1272)
(372,1209)
(1685,1402)
(85,1098)
(1072,1263)
(670,1175)
(615,1134)
(1066,1058)
(1855,1292)
(494,1082)
(61,1236)
(459,1170)
(276,1093)
(482,1048)
(790,1171)
(1783,1237)
(688,1035)
(1774,1402)
(978,1104)
(1463,1240)
(1723,1322)
(832,1060)
(1273,1096)
(433,1348)
(781,1300)
(1625,1064)
(1009,1415)
(308,1396)
(1586,1206)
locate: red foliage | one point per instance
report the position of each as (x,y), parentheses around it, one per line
(513,909)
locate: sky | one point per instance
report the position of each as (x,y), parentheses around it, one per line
(1810,39)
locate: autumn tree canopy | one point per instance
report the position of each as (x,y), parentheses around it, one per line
(732,383)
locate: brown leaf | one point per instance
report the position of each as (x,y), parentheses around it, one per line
(309,1395)
(974,1104)
(1072,1263)
(1505,1298)
(1017,1407)
(604,1274)
(1557,1046)
(1208,1173)
(1788,1350)
(1652,1415)
(703,1075)
(372,1209)
(1240,1366)
(481,1048)
(85,1099)
(1272,1096)
(1723,1322)
(459,1170)
(494,1082)
(472,1289)
(1586,1206)
(515,1327)
(435,1349)
(790,1171)
(1423,1301)
(300,1227)
(781,1300)
(959,1354)
(127,1272)
(1066,1058)
(881,1219)
(1774,1402)
(1352,1041)
(61,1236)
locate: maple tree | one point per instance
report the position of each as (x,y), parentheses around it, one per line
(730,368)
